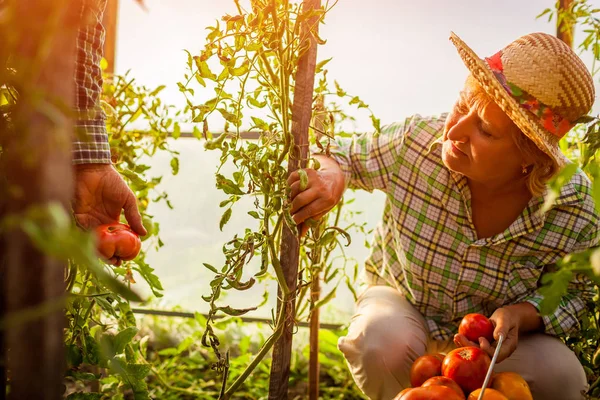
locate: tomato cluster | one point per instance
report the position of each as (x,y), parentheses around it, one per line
(461,372)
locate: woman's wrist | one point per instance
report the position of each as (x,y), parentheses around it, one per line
(527,317)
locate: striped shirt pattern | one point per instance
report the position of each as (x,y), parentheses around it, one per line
(426,245)
(91,142)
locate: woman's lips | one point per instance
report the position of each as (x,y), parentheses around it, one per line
(456,150)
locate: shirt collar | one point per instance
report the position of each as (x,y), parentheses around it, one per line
(531,219)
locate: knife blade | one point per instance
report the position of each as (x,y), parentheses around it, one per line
(491,368)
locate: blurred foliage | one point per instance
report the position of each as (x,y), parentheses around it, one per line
(581,145)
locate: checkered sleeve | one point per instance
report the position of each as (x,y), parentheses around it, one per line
(369,160)
(91,138)
(565,319)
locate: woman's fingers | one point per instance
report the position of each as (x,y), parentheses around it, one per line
(462,341)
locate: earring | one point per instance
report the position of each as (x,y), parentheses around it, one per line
(524,169)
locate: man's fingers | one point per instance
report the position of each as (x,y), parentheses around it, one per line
(303,199)
(312,210)
(303,229)
(293,178)
(132,215)
(295,189)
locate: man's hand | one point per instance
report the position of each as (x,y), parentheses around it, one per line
(100,195)
(324,189)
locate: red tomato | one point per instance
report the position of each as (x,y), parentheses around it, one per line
(474,326)
(424,368)
(402,393)
(466,366)
(430,393)
(444,381)
(118,240)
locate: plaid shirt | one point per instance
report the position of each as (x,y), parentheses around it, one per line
(426,245)
(91,143)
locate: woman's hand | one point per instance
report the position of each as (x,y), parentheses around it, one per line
(324,189)
(508,322)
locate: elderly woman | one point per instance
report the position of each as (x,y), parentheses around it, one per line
(463,229)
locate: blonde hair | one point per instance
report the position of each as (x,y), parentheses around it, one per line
(541,166)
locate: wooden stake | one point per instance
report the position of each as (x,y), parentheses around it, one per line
(109,21)
(315,288)
(566,28)
(36,170)
(301,116)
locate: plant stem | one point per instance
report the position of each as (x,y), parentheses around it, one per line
(264,349)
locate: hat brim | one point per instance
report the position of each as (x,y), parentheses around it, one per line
(528,124)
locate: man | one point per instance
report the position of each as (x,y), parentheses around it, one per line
(100,191)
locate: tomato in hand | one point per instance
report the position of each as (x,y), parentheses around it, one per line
(118,241)
(423,368)
(466,366)
(474,326)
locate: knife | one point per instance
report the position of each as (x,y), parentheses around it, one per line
(491,368)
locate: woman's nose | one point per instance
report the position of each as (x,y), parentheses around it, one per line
(461,130)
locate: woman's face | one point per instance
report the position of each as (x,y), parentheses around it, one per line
(478,142)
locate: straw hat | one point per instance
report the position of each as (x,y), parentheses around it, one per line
(539,82)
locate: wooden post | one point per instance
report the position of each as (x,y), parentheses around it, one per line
(566,27)
(315,286)
(290,250)
(36,169)
(109,21)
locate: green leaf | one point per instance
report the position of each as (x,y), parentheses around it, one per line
(554,289)
(235,312)
(176,131)
(233,118)
(73,355)
(91,355)
(256,103)
(174,165)
(205,71)
(157,91)
(147,273)
(123,338)
(241,70)
(321,64)
(225,218)
(84,396)
(228,186)
(330,296)
(210,267)
(260,124)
